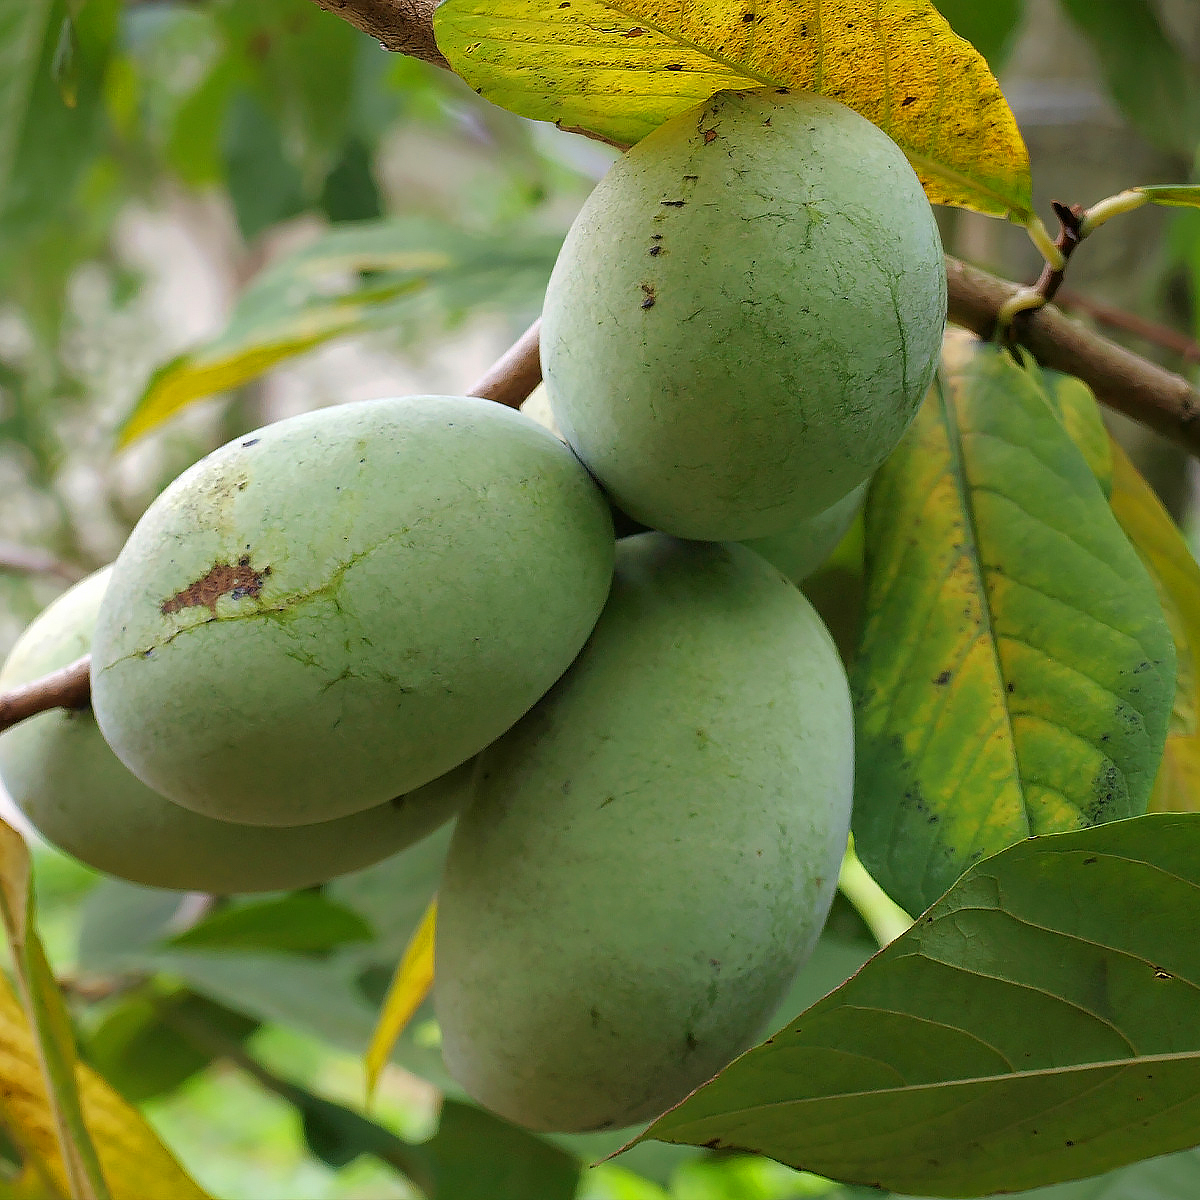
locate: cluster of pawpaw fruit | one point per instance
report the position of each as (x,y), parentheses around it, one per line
(333,634)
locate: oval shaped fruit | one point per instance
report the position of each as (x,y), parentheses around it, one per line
(340,607)
(650,853)
(77,794)
(745,315)
(801,548)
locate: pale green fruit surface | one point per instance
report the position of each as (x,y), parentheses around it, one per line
(650,854)
(77,794)
(340,607)
(745,315)
(801,548)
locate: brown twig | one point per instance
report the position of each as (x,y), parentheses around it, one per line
(405,26)
(510,380)
(25,560)
(1125,381)
(1071,220)
(68,687)
(1117,318)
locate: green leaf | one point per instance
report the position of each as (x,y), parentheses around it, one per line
(1075,406)
(24,26)
(988,27)
(1148,75)
(1015,672)
(50,143)
(374,275)
(481,1157)
(1040,1023)
(263,184)
(1176,575)
(302,923)
(142,1056)
(619,70)
(1172,195)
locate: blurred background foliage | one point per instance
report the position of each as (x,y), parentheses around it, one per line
(194,192)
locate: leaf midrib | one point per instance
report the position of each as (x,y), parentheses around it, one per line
(958,472)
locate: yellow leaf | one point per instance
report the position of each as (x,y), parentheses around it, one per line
(55,1044)
(135,1162)
(409,987)
(619,70)
(1177,577)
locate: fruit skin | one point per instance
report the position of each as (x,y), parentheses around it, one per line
(745,315)
(338,608)
(77,794)
(650,853)
(801,548)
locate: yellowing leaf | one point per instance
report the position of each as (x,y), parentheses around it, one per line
(1015,672)
(619,70)
(77,1136)
(55,1044)
(135,1162)
(1177,577)
(409,987)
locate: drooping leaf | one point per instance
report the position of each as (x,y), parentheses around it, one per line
(1015,671)
(302,923)
(368,276)
(111,1149)
(1176,575)
(620,69)
(409,987)
(49,1021)
(1148,75)
(1040,1023)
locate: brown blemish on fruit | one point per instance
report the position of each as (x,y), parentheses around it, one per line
(710,136)
(221,579)
(649,297)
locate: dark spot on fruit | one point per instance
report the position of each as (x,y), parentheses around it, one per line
(747,18)
(673,67)
(237,581)
(649,297)
(904,104)
(635,32)
(943,679)
(655,251)
(250,442)
(607,801)
(673,203)
(710,136)
(692,1043)
(594,1013)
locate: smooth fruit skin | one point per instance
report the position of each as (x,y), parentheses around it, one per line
(77,794)
(745,315)
(342,606)
(801,548)
(650,854)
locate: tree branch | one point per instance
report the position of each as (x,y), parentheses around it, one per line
(24,560)
(1125,381)
(510,380)
(405,26)
(68,687)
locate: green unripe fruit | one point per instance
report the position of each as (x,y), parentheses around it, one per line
(77,794)
(651,852)
(745,315)
(801,548)
(342,606)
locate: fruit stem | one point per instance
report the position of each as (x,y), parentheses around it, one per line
(884,917)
